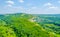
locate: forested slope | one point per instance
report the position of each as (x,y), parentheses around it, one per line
(19,25)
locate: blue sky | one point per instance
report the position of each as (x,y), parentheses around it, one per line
(30,6)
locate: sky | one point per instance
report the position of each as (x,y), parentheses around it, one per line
(30,6)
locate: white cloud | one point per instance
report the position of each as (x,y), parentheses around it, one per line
(50,6)
(21,1)
(10,3)
(53,7)
(33,10)
(15,9)
(47,4)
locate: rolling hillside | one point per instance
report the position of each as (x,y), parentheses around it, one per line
(50,22)
(21,25)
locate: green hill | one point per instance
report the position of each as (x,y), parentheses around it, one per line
(50,22)
(20,25)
